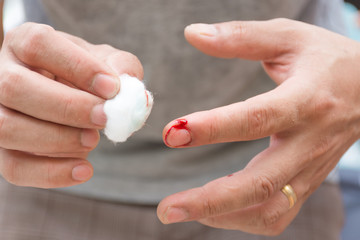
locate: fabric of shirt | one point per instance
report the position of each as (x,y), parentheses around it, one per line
(41,214)
(182,79)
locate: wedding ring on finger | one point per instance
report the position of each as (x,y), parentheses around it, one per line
(290,194)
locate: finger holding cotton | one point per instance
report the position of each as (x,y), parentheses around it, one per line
(128,110)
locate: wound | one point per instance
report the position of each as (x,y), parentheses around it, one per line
(147,99)
(178,124)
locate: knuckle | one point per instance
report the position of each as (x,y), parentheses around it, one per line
(138,68)
(238,29)
(4,116)
(66,140)
(323,105)
(134,68)
(263,189)
(2,122)
(32,36)
(306,189)
(10,169)
(266,222)
(132,58)
(212,130)
(282,21)
(257,120)
(57,139)
(321,148)
(286,26)
(72,67)
(106,48)
(208,206)
(10,79)
(49,180)
(67,106)
(270,218)
(288,29)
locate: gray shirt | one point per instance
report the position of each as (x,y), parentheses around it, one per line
(183,80)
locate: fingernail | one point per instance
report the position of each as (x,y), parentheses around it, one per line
(178,135)
(89,138)
(106,86)
(173,215)
(98,116)
(82,173)
(207,30)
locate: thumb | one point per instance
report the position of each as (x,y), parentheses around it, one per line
(253,40)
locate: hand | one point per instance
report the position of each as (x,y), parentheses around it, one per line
(312,117)
(52,90)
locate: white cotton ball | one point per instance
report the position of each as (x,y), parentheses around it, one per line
(128,110)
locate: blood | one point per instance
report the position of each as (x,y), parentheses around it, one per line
(179,124)
(147,99)
(230,175)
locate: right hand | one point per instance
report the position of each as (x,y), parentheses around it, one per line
(52,90)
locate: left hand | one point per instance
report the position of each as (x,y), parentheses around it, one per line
(53,88)
(313,117)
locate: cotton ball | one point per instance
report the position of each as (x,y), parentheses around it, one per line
(128,110)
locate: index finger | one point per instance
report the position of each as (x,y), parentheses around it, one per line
(258,117)
(40,46)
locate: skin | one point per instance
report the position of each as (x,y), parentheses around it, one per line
(312,118)
(53,86)
(52,89)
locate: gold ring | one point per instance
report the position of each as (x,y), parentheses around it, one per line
(290,194)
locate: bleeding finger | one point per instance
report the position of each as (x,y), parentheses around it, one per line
(258,117)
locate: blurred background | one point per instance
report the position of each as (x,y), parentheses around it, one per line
(349,166)
(13,14)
